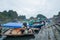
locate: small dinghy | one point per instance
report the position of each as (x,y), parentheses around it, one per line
(16,29)
(18,32)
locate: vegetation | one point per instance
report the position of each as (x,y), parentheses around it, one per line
(22,17)
(8,15)
(12,15)
(42,17)
(56,18)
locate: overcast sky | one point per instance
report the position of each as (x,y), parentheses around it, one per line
(32,7)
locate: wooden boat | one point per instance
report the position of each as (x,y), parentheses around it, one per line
(35,29)
(17,32)
(37,25)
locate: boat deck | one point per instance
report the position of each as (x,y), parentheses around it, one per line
(11,32)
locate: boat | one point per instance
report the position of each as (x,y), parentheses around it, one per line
(37,26)
(17,32)
(15,29)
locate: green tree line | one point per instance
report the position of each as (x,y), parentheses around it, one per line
(10,14)
(5,15)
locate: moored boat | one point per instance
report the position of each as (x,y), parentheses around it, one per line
(16,29)
(18,32)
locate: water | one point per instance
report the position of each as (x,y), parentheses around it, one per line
(20,38)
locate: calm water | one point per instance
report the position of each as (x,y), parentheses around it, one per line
(20,38)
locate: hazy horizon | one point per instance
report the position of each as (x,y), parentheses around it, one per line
(30,8)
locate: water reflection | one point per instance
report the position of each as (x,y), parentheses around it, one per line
(0,36)
(20,38)
(36,31)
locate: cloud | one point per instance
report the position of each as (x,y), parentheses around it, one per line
(31,7)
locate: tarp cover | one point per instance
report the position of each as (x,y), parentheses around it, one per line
(13,25)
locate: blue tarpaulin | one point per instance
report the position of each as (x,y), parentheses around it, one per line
(13,25)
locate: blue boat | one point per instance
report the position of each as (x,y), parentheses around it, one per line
(37,25)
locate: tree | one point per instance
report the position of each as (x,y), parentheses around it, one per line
(12,14)
(31,17)
(22,17)
(8,15)
(3,15)
(40,16)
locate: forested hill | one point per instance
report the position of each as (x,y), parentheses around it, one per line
(56,18)
(10,14)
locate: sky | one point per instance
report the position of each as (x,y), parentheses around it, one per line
(30,8)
